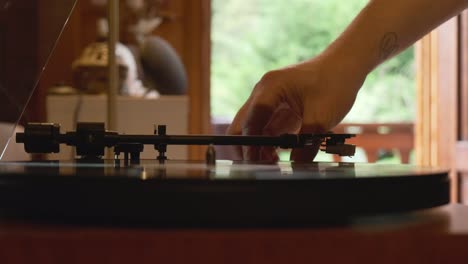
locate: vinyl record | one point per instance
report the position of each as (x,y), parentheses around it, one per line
(179,193)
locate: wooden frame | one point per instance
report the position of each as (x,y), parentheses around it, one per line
(437,90)
(464,76)
(462,145)
(198,58)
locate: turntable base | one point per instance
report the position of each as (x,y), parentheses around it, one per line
(240,194)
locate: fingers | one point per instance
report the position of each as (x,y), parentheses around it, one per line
(236,126)
(308,153)
(284,120)
(269,111)
(315,120)
(264,101)
(251,119)
(257,118)
(236,129)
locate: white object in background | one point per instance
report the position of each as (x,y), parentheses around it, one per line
(134,116)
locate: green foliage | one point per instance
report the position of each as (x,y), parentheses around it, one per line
(252,37)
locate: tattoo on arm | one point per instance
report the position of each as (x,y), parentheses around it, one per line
(388,45)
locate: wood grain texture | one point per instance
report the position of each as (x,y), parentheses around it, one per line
(438,87)
(464,76)
(434,236)
(19,63)
(462,156)
(198,59)
(462,146)
(423,96)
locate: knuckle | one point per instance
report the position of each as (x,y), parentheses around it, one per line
(268,82)
(270,77)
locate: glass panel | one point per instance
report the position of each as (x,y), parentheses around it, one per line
(26,43)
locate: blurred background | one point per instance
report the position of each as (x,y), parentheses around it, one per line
(249,39)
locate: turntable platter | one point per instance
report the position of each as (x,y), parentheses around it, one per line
(179,193)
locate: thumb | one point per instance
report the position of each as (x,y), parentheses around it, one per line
(307,153)
(311,124)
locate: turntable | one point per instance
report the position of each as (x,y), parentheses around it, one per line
(209,193)
(164,192)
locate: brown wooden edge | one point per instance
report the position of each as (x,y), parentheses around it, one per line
(437,99)
(198,31)
(462,145)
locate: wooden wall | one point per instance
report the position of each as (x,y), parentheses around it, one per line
(18,61)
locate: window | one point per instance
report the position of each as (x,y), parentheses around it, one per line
(251,38)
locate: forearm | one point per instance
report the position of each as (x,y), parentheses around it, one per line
(385,27)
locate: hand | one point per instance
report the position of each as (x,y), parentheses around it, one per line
(310,97)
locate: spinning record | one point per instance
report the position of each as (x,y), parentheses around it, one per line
(178,193)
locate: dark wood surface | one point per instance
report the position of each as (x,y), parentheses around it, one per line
(18,62)
(433,236)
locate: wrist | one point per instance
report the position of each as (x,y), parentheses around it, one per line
(348,64)
(355,57)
